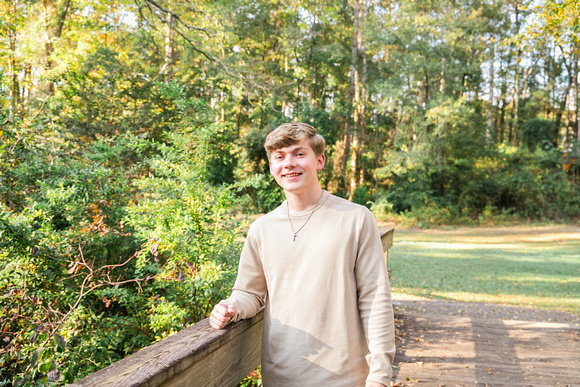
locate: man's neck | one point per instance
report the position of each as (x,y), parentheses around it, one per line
(303,201)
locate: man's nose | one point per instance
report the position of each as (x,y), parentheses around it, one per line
(289,161)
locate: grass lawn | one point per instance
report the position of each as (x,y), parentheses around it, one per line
(520,265)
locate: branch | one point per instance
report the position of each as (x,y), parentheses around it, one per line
(61,17)
(26,124)
(178,18)
(86,288)
(195,47)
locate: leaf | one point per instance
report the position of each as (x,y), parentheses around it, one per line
(154,249)
(59,340)
(46,367)
(72,269)
(54,375)
(33,338)
(35,355)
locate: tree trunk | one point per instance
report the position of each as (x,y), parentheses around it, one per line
(352,126)
(427,91)
(570,66)
(14,86)
(562,111)
(362,116)
(501,126)
(512,104)
(442,81)
(169,58)
(514,129)
(341,147)
(575,121)
(547,109)
(527,73)
(53,27)
(489,130)
(61,17)
(566,113)
(48,15)
(27,92)
(362,104)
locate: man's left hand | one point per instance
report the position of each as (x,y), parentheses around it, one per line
(375,384)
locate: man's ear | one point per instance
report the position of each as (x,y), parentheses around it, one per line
(320,162)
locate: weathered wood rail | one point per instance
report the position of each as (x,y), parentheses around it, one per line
(197,356)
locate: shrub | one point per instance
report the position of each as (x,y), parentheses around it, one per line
(507,182)
(106,253)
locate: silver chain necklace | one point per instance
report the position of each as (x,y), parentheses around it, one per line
(295,233)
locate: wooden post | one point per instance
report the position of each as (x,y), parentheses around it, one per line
(387,235)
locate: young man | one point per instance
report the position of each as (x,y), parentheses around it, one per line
(316,263)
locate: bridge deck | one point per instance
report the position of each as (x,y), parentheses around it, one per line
(476,349)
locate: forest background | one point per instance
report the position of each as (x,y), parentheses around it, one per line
(132,132)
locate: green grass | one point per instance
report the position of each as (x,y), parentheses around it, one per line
(527,266)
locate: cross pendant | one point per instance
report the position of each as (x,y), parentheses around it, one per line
(294,237)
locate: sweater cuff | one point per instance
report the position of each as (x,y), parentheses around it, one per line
(381,370)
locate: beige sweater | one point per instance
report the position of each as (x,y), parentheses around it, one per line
(328,319)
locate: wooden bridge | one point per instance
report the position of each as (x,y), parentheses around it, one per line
(197,356)
(432,350)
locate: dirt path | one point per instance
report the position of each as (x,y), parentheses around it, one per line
(442,343)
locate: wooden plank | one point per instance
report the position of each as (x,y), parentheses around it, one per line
(197,356)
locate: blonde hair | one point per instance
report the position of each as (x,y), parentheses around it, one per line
(289,134)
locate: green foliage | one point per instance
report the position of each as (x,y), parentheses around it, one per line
(538,133)
(71,241)
(187,223)
(506,181)
(362,196)
(254,379)
(109,95)
(106,253)
(263,194)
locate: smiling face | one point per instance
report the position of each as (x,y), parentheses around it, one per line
(296,167)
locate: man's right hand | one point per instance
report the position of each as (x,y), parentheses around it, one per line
(221,315)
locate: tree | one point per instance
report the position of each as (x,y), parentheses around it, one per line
(560,22)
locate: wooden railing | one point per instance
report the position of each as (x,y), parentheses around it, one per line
(387,235)
(197,356)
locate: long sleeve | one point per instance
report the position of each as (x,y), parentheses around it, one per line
(374,302)
(250,289)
